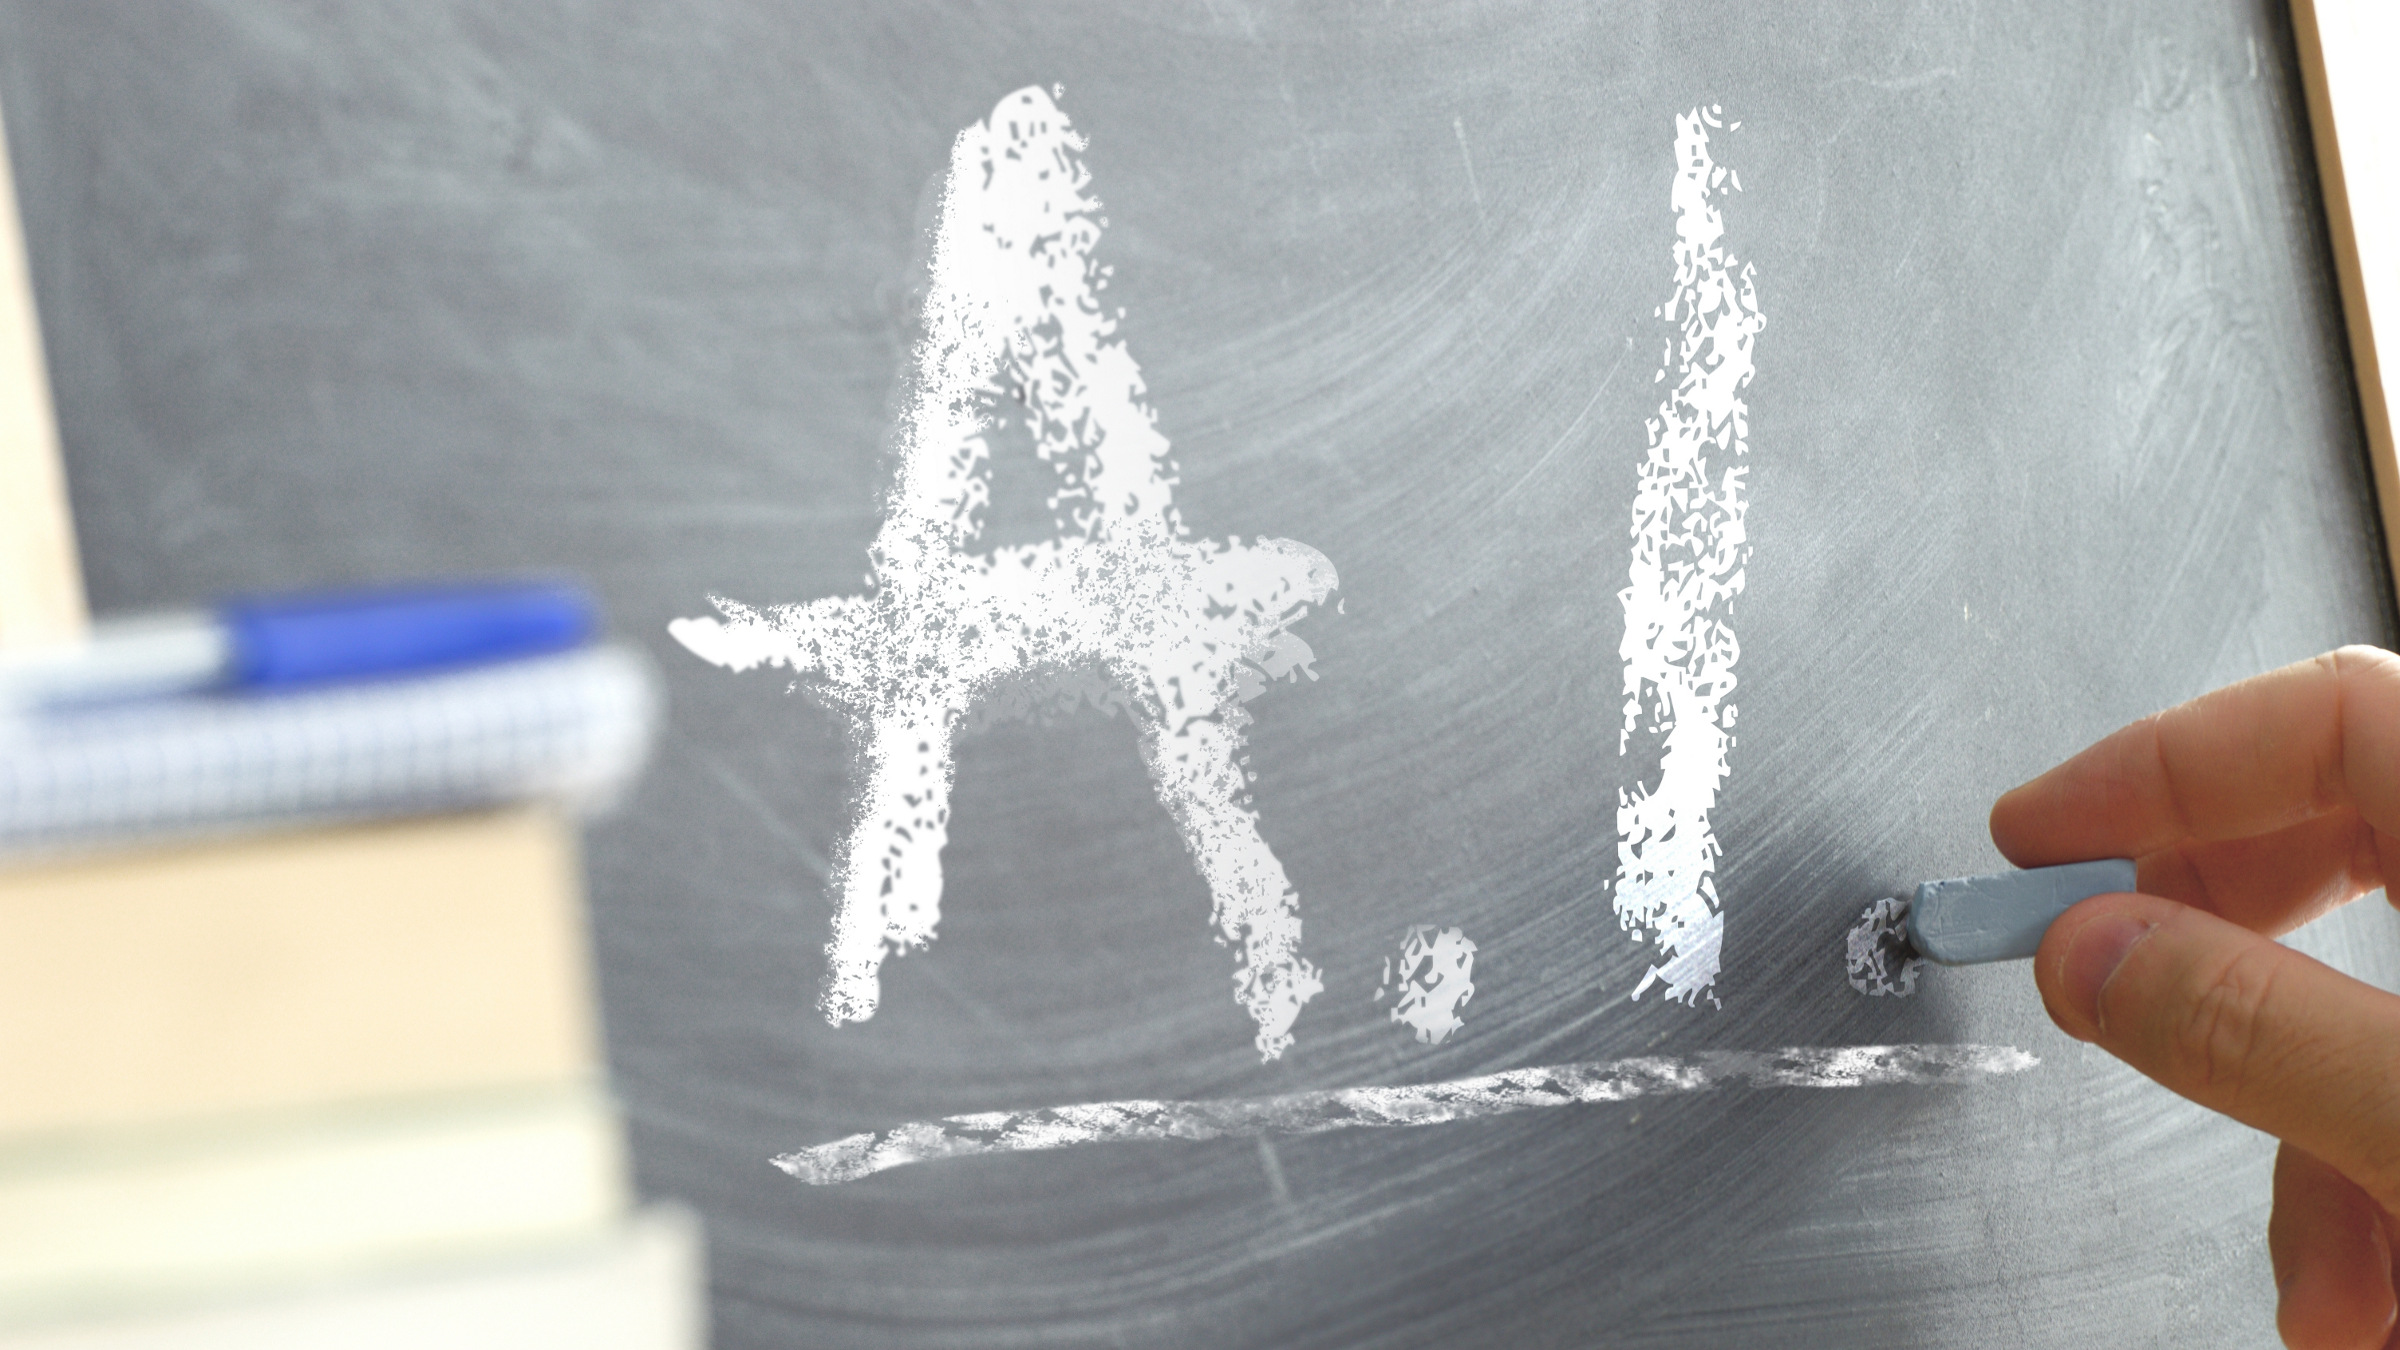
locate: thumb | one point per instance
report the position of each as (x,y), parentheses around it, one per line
(2237,1023)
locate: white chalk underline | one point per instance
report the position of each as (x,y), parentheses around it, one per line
(1051,1127)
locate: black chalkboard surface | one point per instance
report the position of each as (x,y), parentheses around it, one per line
(1980,390)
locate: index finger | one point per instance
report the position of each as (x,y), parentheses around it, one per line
(2274,750)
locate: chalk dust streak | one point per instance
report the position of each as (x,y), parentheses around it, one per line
(1849,1066)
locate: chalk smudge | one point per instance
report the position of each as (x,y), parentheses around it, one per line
(1689,551)
(1880,959)
(1185,628)
(1435,979)
(1852,1066)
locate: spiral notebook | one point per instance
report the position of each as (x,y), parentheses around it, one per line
(572,728)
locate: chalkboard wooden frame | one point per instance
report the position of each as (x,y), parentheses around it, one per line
(41,578)
(2357,237)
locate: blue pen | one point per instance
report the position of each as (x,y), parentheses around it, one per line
(284,642)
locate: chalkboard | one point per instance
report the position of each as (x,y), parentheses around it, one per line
(2047,424)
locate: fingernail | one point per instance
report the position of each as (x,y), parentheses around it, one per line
(2093,955)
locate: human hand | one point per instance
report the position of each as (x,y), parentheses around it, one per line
(2250,811)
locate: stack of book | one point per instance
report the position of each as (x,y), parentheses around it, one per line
(298,1044)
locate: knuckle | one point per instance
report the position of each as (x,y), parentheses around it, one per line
(2218,1046)
(2360,671)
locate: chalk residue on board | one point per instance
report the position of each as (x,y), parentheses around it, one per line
(1847,1066)
(1435,975)
(1689,551)
(1186,628)
(1878,953)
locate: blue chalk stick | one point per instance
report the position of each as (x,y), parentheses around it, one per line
(1970,920)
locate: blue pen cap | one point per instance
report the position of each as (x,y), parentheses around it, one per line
(369,634)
